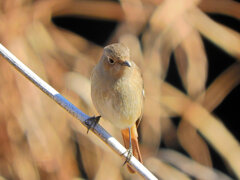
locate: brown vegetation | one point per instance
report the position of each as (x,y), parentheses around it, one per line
(39,140)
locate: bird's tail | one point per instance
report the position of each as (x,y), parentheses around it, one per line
(135,145)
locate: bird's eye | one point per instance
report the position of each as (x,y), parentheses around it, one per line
(111,61)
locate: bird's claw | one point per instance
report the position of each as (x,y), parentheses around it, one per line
(92,122)
(129,155)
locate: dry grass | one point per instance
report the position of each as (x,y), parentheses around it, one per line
(38,139)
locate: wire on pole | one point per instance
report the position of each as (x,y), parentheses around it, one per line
(68,106)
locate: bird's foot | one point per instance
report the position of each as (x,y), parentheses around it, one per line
(129,155)
(92,122)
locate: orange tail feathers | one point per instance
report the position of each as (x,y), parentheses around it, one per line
(135,145)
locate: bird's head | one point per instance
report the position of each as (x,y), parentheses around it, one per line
(116,60)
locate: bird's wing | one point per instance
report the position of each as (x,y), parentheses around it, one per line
(143,96)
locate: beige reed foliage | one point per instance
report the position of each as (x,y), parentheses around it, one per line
(38,139)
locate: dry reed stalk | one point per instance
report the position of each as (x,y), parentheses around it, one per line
(37,144)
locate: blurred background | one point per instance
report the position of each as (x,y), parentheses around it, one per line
(188,51)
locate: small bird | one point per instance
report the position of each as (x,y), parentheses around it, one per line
(117,94)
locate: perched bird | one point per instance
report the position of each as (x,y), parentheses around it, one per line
(117,94)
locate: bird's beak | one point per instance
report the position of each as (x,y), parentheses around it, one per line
(126,63)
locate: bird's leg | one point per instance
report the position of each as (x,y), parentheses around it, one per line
(129,151)
(92,122)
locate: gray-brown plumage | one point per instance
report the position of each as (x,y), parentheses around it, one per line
(117,91)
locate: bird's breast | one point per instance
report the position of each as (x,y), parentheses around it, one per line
(119,101)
